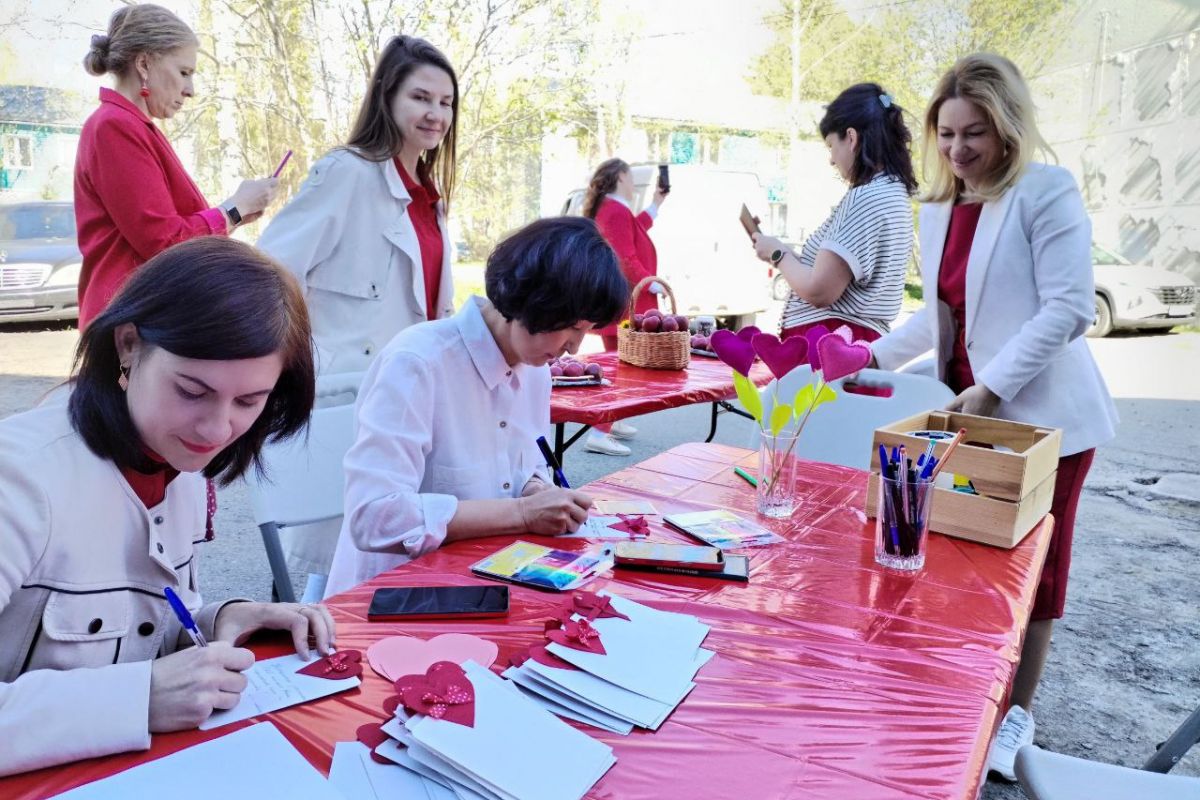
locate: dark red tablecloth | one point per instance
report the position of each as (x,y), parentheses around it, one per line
(637,391)
(832,679)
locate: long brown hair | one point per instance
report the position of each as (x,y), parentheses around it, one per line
(375,136)
(210,298)
(604,182)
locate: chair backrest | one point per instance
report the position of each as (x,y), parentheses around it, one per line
(304,479)
(841,432)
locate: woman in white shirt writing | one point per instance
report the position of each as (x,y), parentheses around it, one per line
(450,412)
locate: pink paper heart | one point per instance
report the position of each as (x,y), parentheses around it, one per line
(812,336)
(738,353)
(840,358)
(781,357)
(405,655)
(336,666)
(748,333)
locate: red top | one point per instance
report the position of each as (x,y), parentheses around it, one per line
(627,235)
(952,289)
(423,213)
(133,199)
(150,487)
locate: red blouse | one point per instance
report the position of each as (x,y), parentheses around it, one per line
(151,487)
(628,236)
(952,289)
(133,199)
(423,213)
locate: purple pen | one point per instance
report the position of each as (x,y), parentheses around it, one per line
(282,164)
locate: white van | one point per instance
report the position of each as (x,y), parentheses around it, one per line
(703,251)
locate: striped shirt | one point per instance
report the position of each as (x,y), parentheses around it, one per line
(872,230)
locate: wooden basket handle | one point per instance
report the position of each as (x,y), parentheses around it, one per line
(642,284)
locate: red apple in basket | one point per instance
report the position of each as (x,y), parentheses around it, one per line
(595,370)
(653,312)
(573,370)
(669,324)
(682,321)
(556,370)
(700,342)
(638,319)
(651,324)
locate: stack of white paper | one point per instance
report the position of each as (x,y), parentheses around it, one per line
(646,669)
(512,750)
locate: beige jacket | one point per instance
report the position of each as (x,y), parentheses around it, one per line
(82,569)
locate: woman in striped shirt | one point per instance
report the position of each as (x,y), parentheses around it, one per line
(851,269)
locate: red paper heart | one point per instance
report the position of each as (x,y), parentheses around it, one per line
(633,524)
(336,666)
(578,635)
(540,654)
(840,358)
(444,692)
(391,704)
(372,736)
(738,353)
(593,606)
(781,357)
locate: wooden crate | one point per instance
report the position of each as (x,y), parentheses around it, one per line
(1015,489)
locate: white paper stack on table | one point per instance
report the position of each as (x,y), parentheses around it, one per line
(634,667)
(485,740)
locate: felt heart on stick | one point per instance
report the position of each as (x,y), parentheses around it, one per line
(748,333)
(735,351)
(812,336)
(840,358)
(405,655)
(781,357)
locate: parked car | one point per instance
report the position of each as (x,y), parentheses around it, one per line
(1135,296)
(39,262)
(703,251)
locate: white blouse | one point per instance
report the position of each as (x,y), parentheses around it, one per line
(441,417)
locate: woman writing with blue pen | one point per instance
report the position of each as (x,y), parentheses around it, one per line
(203,356)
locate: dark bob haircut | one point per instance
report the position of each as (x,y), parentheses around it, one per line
(214,299)
(555,273)
(883,138)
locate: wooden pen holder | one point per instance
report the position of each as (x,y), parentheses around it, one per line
(1014,489)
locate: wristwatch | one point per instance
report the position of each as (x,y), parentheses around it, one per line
(234,216)
(776,256)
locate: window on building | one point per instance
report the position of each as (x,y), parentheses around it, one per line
(18,151)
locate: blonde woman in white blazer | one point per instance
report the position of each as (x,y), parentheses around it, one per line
(366,234)
(202,356)
(1006,265)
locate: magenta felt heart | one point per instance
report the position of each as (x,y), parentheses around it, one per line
(812,336)
(738,353)
(781,357)
(748,333)
(840,358)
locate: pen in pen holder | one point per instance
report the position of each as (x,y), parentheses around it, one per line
(902,524)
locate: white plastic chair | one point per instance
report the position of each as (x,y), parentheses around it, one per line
(841,432)
(1052,776)
(303,484)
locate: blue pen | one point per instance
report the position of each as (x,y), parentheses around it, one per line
(883,460)
(552,463)
(185,619)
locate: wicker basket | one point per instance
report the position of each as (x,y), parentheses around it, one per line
(658,350)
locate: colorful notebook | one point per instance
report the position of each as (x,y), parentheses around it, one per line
(544,567)
(723,529)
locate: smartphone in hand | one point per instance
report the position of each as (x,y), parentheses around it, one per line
(749,222)
(664,179)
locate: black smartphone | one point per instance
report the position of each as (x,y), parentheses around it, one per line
(664,179)
(435,602)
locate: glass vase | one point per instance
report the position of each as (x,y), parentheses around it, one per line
(778,469)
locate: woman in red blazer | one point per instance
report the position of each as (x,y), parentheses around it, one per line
(133,198)
(609,201)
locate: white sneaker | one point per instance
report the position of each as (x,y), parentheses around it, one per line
(1015,732)
(622,430)
(606,445)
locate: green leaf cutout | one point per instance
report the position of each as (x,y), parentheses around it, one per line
(826,395)
(779,418)
(748,394)
(804,399)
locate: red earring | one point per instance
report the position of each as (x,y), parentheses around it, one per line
(145,91)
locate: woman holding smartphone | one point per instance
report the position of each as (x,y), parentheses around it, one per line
(609,201)
(366,234)
(851,269)
(1006,244)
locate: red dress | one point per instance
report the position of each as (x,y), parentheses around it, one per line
(1051,598)
(628,237)
(133,199)
(423,213)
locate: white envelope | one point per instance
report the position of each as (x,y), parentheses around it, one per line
(393,751)
(274,684)
(637,660)
(356,775)
(631,706)
(648,615)
(462,783)
(567,705)
(515,746)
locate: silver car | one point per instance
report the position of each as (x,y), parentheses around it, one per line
(1133,296)
(39,262)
